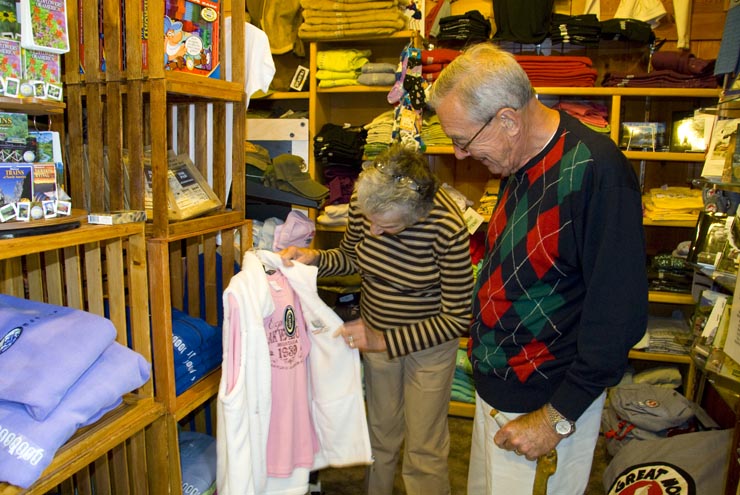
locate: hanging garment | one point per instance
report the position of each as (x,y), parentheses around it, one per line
(245,398)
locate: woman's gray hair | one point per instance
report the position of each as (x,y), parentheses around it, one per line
(484,79)
(399,179)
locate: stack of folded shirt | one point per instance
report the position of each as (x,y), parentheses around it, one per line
(470,27)
(627,30)
(432,133)
(334,215)
(558,71)
(672,203)
(582,29)
(379,134)
(197,349)
(62,369)
(328,19)
(463,389)
(489,198)
(377,74)
(197,462)
(433,61)
(668,335)
(669,273)
(679,69)
(337,144)
(590,113)
(657,79)
(340,67)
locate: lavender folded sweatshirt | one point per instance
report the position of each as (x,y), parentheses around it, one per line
(44,349)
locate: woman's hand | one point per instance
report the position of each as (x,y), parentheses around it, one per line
(302,255)
(357,335)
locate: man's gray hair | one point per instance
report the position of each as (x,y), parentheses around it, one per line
(484,79)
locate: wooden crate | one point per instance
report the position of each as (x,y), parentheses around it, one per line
(92,268)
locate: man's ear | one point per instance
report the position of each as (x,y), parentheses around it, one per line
(508,116)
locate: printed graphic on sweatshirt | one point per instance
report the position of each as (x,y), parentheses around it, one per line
(286,350)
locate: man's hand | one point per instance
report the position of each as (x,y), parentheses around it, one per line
(529,435)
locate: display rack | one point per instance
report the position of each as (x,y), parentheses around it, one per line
(137,104)
(103,270)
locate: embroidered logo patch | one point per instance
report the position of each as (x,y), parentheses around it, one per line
(9,339)
(289,321)
(653,478)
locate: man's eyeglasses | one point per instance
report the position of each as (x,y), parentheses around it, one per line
(403,180)
(465,147)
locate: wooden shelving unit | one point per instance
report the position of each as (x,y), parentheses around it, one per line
(90,268)
(137,105)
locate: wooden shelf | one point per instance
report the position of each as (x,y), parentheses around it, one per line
(194,396)
(92,442)
(284,95)
(690,224)
(660,357)
(670,298)
(664,156)
(462,409)
(86,233)
(632,92)
(354,89)
(201,225)
(194,86)
(32,106)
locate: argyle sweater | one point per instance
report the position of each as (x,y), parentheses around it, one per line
(417,284)
(562,293)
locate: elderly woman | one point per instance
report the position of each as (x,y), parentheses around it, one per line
(407,239)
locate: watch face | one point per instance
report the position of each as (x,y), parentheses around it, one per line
(563,427)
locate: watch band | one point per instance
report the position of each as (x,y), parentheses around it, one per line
(562,425)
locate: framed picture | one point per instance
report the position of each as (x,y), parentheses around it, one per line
(710,237)
(645,136)
(690,131)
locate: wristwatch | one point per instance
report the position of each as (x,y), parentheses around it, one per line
(562,425)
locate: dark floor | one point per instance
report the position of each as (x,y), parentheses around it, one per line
(348,481)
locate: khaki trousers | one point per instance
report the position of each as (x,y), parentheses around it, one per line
(408,400)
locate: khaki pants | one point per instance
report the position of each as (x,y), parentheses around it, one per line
(408,399)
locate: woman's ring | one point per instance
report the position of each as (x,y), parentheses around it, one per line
(351,341)
(516,451)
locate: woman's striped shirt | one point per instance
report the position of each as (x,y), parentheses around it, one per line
(416,285)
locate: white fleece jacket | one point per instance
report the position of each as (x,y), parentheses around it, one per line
(244,398)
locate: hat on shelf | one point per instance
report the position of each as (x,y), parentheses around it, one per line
(292,176)
(257,159)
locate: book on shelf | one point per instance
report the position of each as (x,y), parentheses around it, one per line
(11,70)
(14,143)
(43,70)
(44,182)
(44,25)
(48,149)
(188,193)
(16,182)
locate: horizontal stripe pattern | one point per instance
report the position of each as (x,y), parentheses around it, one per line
(416,285)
